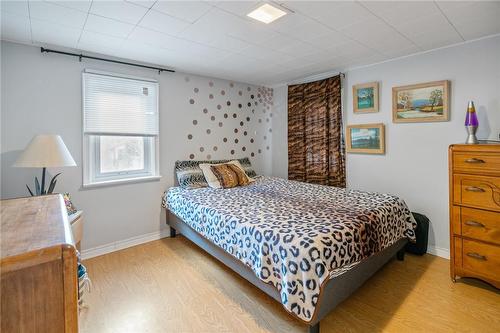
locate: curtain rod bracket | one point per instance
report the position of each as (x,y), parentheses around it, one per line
(81,56)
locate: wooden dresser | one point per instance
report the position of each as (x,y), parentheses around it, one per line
(475,211)
(39,287)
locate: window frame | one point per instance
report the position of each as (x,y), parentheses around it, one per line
(92,177)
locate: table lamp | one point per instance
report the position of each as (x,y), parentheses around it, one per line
(45,151)
(471,123)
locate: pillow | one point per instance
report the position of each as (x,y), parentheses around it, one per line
(211,178)
(225,175)
(243,179)
(190,175)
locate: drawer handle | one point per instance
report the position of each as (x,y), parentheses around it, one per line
(474,224)
(474,160)
(476,256)
(474,189)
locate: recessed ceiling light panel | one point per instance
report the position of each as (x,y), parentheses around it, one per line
(266,13)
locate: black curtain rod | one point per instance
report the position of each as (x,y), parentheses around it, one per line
(81,56)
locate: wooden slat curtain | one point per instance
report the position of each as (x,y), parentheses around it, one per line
(316,152)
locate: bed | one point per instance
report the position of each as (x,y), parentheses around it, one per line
(307,246)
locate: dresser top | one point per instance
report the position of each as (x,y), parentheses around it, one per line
(485,146)
(30,225)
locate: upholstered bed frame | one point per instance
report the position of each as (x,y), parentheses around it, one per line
(335,291)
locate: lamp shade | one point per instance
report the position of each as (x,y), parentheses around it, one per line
(45,151)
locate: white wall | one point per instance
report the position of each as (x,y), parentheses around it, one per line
(41,93)
(415,165)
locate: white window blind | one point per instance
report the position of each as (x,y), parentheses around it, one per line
(116,105)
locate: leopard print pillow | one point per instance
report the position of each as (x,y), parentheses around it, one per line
(225,175)
(240,173)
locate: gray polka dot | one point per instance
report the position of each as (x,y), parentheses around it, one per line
(260,120)
(248,89)
(243,148)
(225,139)
(241,123)
(219,107)
(232,151)
(195,122)
(267,147)
(245,133)
(190,136)
(240,93)
(252,154)
(186,79)
(209,131)
(252,140)
(211,84)
(248,118)
(235,115)
(205,110)
(236,140)
(235,130)
(209,157)
(196,90)
(220,124)
(202,149)
(215,148)
(260,151)
(231,84)
(211,96)
(228,103)
(222,92)
(270,130)
(191,156)
(226,115)
(265,137)
(212,118)
(191,101)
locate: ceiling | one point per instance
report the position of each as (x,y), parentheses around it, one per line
(215,38)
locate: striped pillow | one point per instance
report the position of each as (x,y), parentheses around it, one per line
(190,175)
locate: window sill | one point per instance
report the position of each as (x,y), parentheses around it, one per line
(120,182)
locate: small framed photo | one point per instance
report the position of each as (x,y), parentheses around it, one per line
(365,139)
(421,103)
(365,97)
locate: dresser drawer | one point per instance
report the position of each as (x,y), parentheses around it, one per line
(481,258)
(480,224)
(477,191)
(474,162)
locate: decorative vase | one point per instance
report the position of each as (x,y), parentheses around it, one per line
(471,123)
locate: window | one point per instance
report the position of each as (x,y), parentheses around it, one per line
(120,128)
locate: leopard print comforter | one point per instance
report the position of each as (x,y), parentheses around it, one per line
(294,235)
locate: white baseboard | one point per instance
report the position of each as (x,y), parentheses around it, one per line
(439,251)
(123,244)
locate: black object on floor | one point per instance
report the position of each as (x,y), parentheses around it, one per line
(422,235)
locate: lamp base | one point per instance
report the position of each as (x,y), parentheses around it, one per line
(471,138)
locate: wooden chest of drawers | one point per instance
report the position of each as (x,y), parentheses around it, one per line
(475,212)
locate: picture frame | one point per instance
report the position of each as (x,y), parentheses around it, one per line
(365,138)
(421,103)
(365,97)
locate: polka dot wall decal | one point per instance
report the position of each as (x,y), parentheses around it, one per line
(191,101)
(248,118)
(236,140)
(211,84)
(219,106)
(240,106)
(190,136)
(252,96)
(209,157)
(235,130)
(228,103)
(225,139)
(248,89)
(191,156)
(270,130)
(226,115)
(202,149)
(265,137)
(260,151)
(232,151)
(205,110)
(235,115)
(186,79)
(195,122)
(258,95)
(196,90)
(243,148)
(240,93)
(260,120)
(252,154)
(267,120)
(241,123)
(212,118)
(220,124)
(215,148)
(245,133)
(211,96)
(231,84)
(209,131)
(252,140)
(222,92)
(249,104)
(267,147)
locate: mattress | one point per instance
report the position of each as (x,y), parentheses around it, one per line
(293,235)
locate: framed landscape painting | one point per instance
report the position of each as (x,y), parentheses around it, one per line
(365,97)
(424,102)
(366,139)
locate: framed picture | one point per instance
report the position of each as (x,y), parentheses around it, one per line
(424,102)
(366,139)
(365,97)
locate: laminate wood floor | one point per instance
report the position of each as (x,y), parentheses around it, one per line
(171,285)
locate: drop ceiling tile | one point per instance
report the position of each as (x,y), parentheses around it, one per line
(108,26)
(57,14)
(15,28)
(332,13)
(185,10)
(119,10)
(300,27)
(19,8)
(479,28)
(55,34)
(142,3)
(153,38)
(81,5)
(240,8)
(228,43)
(428,41)
(460,12)
(99,43)
(329,40)
(398,12)
(163,23)
(251,32)
(435,23)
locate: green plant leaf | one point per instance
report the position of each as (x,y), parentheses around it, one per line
(37,187)
(52,184)
(29,190)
